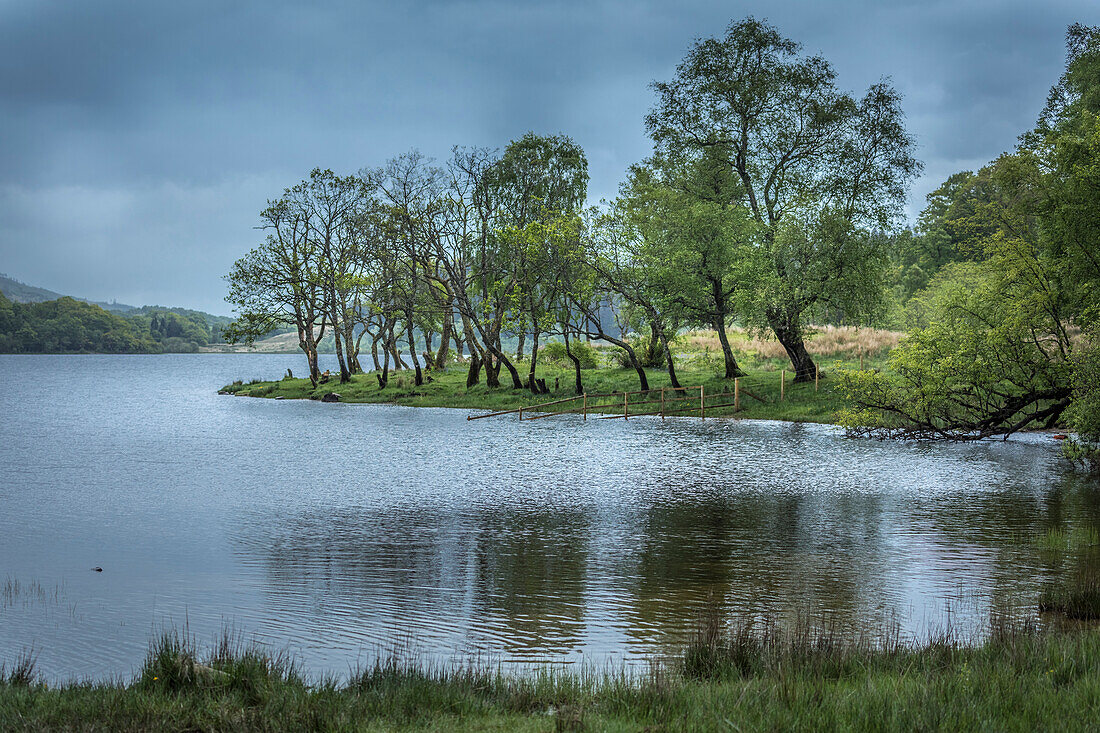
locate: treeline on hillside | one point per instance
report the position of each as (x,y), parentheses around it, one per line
(192,326)
(767,201)
(67,325)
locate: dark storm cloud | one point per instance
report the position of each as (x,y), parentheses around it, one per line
(138,140)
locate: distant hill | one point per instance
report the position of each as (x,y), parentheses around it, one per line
(37,320)
(20,292)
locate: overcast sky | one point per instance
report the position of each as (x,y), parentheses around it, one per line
(139,140)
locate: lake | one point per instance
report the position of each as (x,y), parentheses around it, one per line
(341,532)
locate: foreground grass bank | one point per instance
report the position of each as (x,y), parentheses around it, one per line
(699,363)
(744,680)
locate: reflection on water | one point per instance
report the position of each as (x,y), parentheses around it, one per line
(344,530)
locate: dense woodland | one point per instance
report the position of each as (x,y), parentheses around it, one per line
(772,200)
(67,325)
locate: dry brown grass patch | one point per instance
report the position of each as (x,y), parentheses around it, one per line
(847,341)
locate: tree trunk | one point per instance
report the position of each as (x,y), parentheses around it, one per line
(337,338)
(732,369)
(306,344)
(788,332)
(653,355)
(398,363)
(668,358)
(517,383)
(374,357)
(351,348)
(578,385)
(412,350)
(384,377)
(492,371)
(473,375)
(534,356)
(721,313)
(519,348)
(643,381)
(356,367)
(345,375)
(314,369)
(391,348)
(444,342)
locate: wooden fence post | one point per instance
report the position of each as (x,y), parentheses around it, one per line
(702,403)
(626,410)
(736,394)
(861,360)
(782,383)
(817,375)
(521,414)
(585,406)
(662,403)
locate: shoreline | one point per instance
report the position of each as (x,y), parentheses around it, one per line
(801,403)
(758,393)
(755,677)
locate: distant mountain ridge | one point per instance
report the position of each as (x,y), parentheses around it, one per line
(21,292)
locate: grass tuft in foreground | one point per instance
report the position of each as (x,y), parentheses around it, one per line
(759,676)
(22,672)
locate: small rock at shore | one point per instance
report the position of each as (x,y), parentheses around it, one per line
(97,569)
(281,397)
(1059,437)
(331,397)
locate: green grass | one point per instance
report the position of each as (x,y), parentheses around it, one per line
(802,402)
(742,679)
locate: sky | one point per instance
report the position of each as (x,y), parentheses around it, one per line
(140,140)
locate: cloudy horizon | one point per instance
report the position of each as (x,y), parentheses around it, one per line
(140,141)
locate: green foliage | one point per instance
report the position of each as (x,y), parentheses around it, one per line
(826,263)
(819,173)
(982,364)
(695,246)
(946,234)
(66,325)
(555,352)
(540,177)
(69,325)
(1084,413)
(950,284)
(994,350)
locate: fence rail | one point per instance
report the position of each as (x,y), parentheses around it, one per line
(671,403)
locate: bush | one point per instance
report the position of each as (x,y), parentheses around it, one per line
(555,352)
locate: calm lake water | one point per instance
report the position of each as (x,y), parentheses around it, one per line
(342,531)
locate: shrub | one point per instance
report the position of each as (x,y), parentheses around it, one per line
(555,352)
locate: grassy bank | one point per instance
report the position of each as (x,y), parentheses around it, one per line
(747,679)
(698,363)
